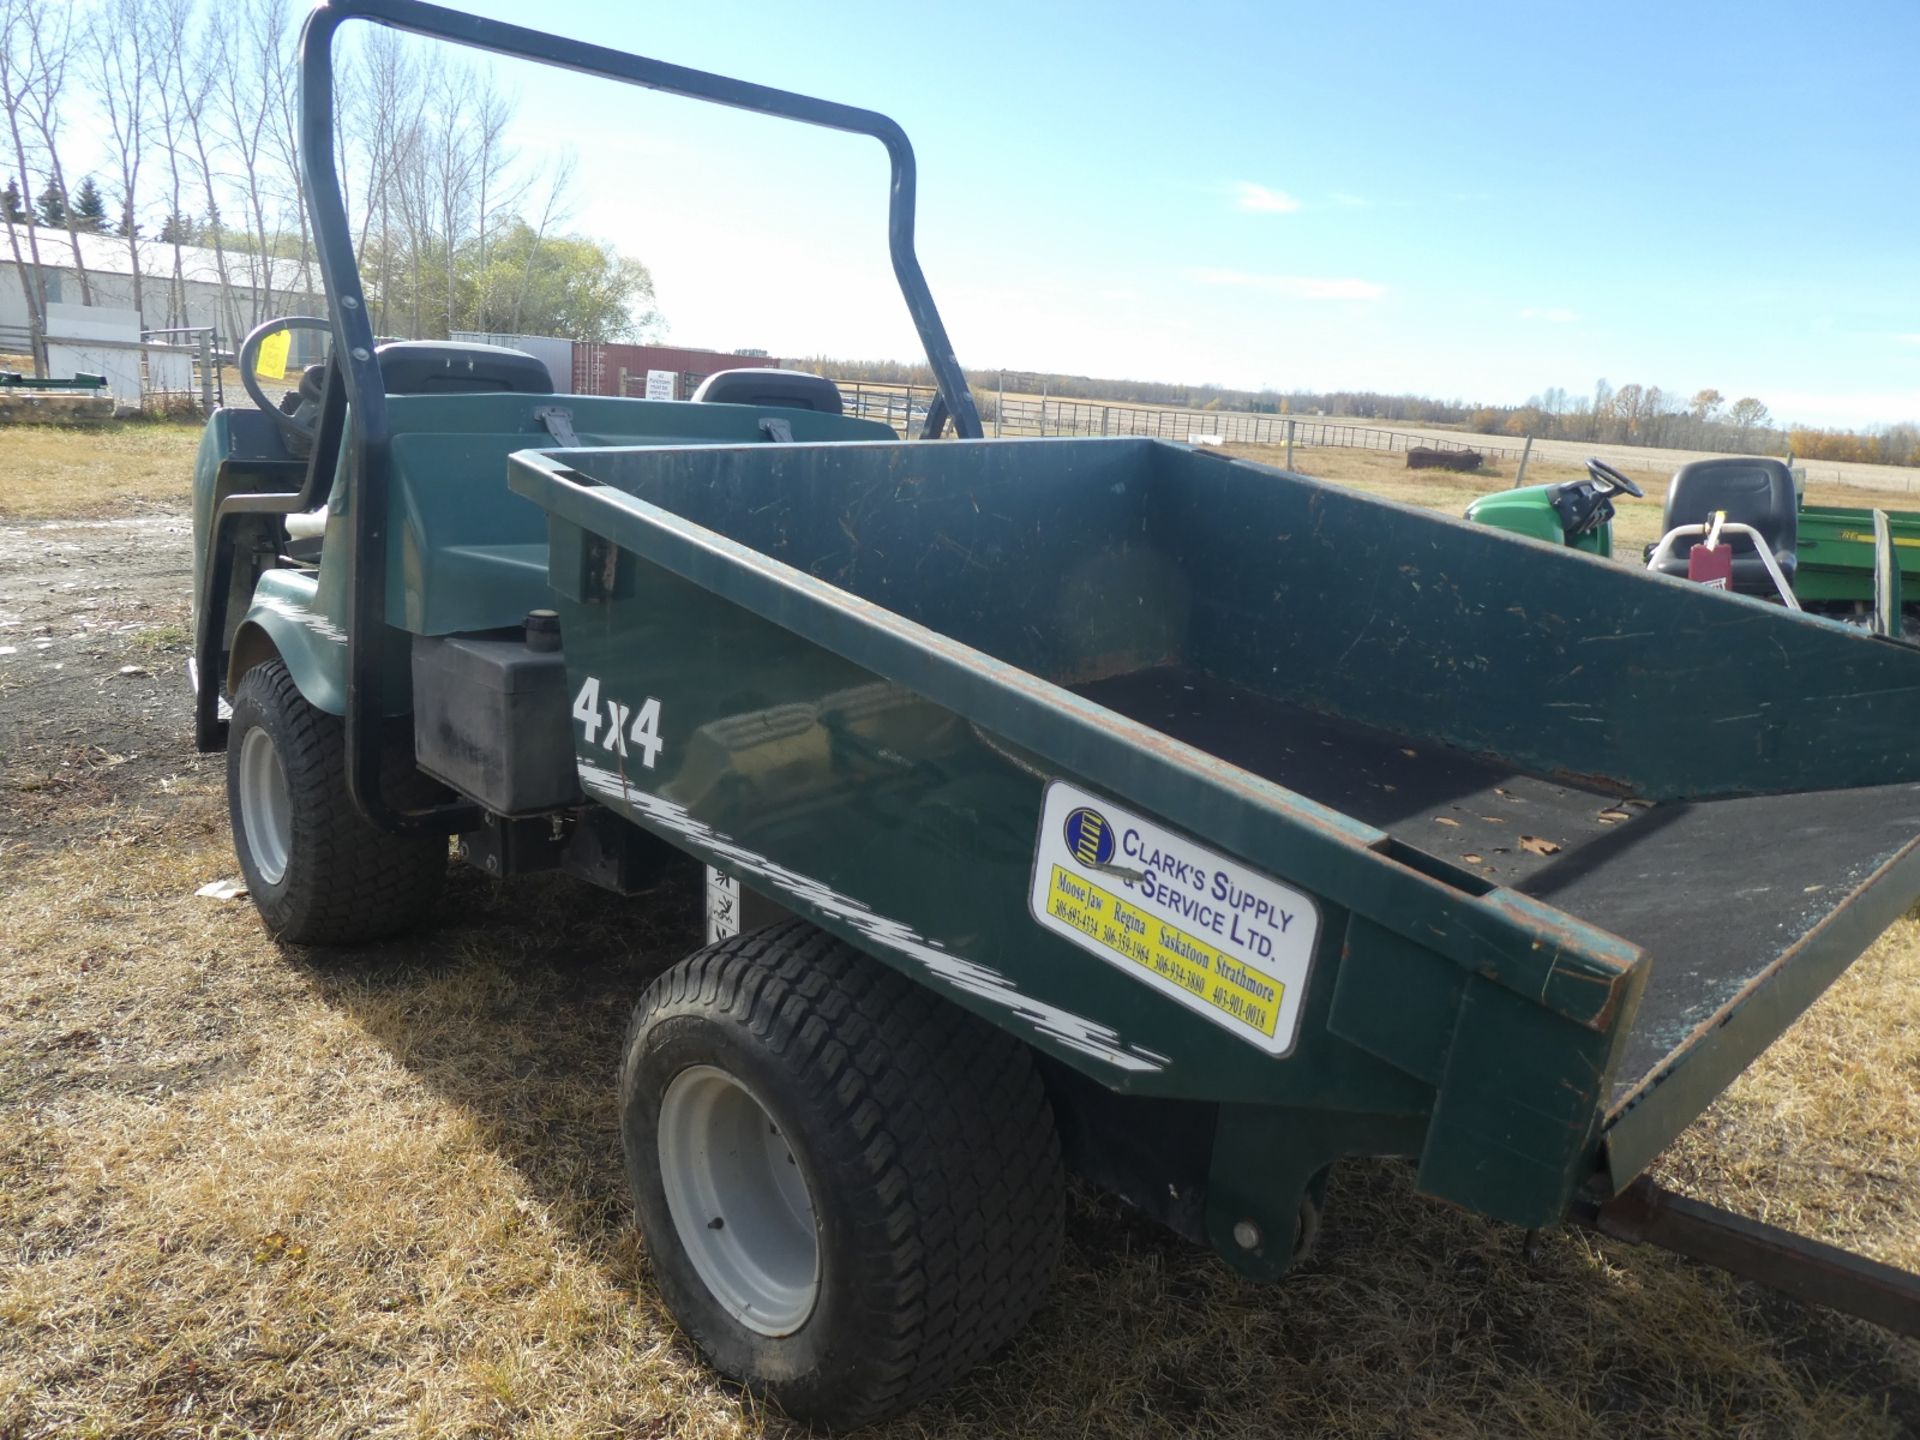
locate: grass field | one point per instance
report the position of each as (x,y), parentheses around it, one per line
(121,469)
(247,1190)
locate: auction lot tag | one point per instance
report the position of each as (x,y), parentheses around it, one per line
(1223,940)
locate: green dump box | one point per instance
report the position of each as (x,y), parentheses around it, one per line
(1328,826)
(1836,554)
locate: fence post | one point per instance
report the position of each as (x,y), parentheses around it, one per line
(205,347)
(999,404)
(1526,453)
(1289,444)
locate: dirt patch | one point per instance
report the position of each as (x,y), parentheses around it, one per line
(93,687)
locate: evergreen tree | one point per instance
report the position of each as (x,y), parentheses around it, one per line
(10,202)
(128,226)
(52,205)
(179,229)
(89,207)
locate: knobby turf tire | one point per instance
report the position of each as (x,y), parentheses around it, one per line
(927,1144)
(346,882)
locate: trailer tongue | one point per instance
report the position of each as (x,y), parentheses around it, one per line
(1201,823)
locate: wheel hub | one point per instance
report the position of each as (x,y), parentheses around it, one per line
(266,812)
(739,1201)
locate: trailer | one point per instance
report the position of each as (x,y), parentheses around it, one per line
(1840,554)
(1104,804)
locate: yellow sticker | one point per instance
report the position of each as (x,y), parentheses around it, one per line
(270,361)
(1231,987)
(1865,538)
(1228,942)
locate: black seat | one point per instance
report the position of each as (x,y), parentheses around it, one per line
(1752,491)
(450,367)
(779,389)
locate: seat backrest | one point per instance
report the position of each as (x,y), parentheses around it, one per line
(451,367)
(1752,490)
(779,389)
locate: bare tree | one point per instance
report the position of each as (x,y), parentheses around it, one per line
(192,75)
(280,87)
(247,59)
(498,195)
(16,80)
(49,33)
(559,178)
(385,104)
(117,66)
(454,177)
(166,25)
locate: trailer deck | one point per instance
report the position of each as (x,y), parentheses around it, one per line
(1713,891)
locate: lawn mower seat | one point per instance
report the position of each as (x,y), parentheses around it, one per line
(1751,491)
(778,389)
(450,367)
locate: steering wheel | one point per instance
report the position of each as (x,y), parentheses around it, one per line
(1608,478)
(296,424)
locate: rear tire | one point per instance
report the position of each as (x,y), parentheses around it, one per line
(318,871)
(921,1220)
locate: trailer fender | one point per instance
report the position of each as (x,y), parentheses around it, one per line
(283,622)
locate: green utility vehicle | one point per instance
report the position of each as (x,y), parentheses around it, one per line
(1844,563)
(1105,803)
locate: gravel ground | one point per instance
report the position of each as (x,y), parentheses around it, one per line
(93,683)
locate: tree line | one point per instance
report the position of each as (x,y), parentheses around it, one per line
(1631,414)
(1636,414)
(195,102)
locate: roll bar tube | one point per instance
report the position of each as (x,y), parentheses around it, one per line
(370,441)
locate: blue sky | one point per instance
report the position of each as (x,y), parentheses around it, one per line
(1476,201)
(1457,200)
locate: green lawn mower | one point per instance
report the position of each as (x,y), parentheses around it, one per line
(1737,523)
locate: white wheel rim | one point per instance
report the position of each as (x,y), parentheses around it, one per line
(739,1203)
(266,812)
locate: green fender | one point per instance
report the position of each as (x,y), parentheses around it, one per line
(285,619)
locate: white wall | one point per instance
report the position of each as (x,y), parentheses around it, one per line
(116,292)
(117,359)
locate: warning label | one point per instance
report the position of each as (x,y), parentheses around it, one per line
(1224,940)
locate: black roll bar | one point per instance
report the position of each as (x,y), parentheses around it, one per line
(370,442)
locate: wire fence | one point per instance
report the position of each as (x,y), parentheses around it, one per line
(172,371)
(181,370)
(904,407)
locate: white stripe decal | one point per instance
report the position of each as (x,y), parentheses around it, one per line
(1074,1031)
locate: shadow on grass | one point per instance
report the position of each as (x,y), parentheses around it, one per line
(1411,1319)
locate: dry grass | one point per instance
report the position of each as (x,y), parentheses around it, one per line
(246,1193)
(50,471)
(1636,522)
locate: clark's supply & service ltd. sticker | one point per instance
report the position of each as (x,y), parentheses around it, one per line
(1227,942)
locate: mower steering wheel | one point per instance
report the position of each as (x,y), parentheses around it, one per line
(1608,478)
(298,432)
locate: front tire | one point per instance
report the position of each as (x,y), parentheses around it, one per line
(318,871)
(851,1189)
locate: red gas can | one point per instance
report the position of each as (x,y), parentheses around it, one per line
(1711,565)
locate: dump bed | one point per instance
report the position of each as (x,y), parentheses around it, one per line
(1720,895)
(1577,841)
